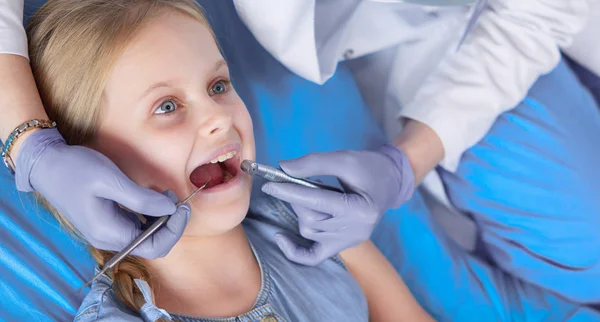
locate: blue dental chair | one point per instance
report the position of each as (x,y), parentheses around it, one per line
(41,267)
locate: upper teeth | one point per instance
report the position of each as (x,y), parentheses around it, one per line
(223,157)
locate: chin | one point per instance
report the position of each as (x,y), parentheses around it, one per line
(217,218)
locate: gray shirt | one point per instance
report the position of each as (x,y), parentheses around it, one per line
(289,291)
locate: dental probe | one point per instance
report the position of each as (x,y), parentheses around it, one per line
(276,175)
(139,239)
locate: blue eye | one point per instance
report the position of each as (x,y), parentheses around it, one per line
(166,107)
(219,87)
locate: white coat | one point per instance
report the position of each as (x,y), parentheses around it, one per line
(458,94)
(405,60)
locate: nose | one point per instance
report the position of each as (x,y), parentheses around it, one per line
(217,121)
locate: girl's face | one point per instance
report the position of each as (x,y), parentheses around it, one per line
(172,120)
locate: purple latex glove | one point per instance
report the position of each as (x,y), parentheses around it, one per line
(374,181)
(85,187)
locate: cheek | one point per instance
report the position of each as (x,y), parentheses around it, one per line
(243,123)
(148,158)
(248,136)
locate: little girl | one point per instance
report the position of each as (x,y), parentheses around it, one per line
(144,83)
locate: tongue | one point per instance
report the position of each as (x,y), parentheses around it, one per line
(203,173)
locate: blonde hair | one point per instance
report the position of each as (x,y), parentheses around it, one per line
(73,45)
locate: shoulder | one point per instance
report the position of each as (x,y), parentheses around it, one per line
(101,304)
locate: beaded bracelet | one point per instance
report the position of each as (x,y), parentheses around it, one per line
(15,134)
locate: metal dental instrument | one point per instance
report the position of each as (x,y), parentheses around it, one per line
(276,175)
(139,239)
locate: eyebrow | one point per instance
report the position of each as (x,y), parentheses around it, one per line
(155,86)
(218,66)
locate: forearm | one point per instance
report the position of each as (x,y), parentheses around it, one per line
(19,97)
(422,146)
(387,296)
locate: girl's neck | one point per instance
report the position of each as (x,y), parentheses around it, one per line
(215,276)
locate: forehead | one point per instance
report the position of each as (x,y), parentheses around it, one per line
(171,44)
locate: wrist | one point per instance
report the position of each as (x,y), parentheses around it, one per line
(402,178)
(354,253)
(16,135)
(32,151)
(419,166)
(19,143)
(422,146)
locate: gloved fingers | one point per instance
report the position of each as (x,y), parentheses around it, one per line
(318,164)
(306,256)
(162,241)
(308,217)
(304,219)
(307,232)
(333,225)
(325,201)
(171,196)
(119,226)
(131,217)
(348,188)
(312,224)
(142,200)
(325,230)
(116,230)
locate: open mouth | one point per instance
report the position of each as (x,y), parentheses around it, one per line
(219,171)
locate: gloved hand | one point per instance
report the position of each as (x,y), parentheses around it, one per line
(85,187)
(166,237)
(374,181)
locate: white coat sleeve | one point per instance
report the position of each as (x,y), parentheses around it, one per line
(13,39)
(585,48)
(513,44)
